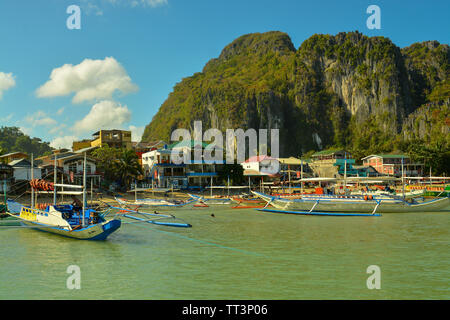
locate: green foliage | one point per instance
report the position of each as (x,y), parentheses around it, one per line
(12,139)
(235,172)
(118,163)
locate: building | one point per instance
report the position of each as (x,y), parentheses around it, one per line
(143,147)
(113,138)
(78,145)
(6,177)
(161,171)
(261,166)
(332,163)
(22,170)
(391,164)
(7,158)
(71,165)
(291,168)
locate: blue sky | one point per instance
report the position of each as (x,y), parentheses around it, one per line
(124,61)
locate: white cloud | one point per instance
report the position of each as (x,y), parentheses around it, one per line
(89,80)
(60,111)
(40,118)
(58,129)
(105,114)
(63,142)
(7,118)
(136,3)
(148,3)
(136,133)
(6,82)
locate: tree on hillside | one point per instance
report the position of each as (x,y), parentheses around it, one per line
(12,139)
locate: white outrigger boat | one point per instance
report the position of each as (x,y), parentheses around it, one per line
(153,203)
(212,200)
(350,205)
(73,221)
(65,220)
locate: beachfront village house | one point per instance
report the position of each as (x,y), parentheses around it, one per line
(6,178)
(22,170)
(261,169)
(336,163)
(71,165)
(7,158)
(391,164)
(291,168)
(162,172)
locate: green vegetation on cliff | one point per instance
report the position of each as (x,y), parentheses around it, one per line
(350,91)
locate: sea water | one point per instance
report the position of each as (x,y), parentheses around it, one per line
(237,254)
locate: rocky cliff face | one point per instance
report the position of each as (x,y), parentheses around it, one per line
(347,90)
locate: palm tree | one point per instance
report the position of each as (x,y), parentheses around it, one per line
(127,167)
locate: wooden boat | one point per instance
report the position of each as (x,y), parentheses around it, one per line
(212,201)
(354,204)
(65,220)
(73,221)
(153,203)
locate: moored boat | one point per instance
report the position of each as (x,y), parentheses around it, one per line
(354,204)
(65,220)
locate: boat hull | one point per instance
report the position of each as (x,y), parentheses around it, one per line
(99,231)
(360,205)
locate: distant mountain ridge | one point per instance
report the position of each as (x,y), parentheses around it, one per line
(348,90)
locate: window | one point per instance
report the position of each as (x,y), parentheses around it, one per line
(73,167)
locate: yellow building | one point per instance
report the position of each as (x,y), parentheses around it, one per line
(112,138)
(78,145)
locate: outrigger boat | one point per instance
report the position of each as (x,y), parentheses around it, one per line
(211,201)
(78,222)
(350,205)
(153,203)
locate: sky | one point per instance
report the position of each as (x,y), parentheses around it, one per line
(63,84)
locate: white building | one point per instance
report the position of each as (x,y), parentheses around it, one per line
(22,170)
(261,166)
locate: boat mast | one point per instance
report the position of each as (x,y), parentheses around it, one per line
(32,178)
(54,182)
(345,171)
(403,183)
(301,175)
(84,188)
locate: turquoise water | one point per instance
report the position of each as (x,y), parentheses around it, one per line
(239,254)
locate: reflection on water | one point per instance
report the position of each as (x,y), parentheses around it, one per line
(238,254)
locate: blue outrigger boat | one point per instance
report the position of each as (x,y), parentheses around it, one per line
(324,205)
